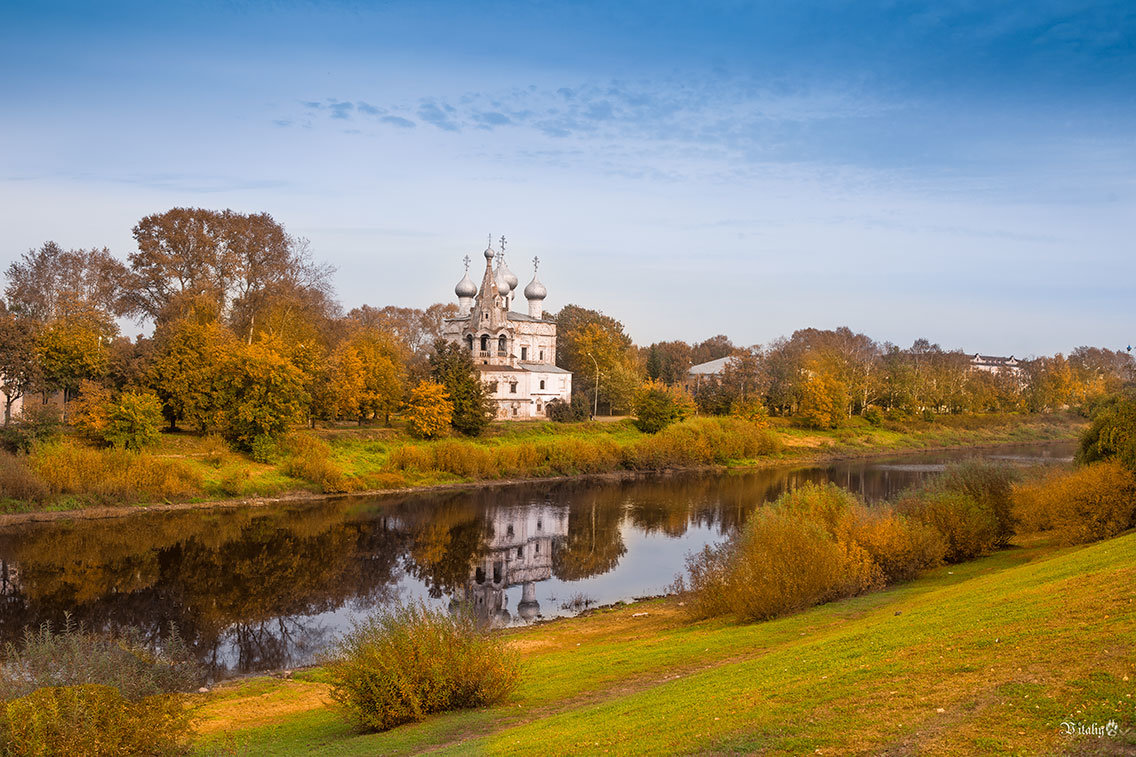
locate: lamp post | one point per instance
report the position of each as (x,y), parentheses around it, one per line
(596,403)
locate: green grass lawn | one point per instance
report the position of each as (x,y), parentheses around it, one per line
(988,657)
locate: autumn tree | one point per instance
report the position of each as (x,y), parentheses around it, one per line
(429,411)
(711,349)
(237,260)
(414,329)
(824,398)
(45,284)
(73,346)
(383,373)
(452,367)
(337,393)
(668,362)
(89,409)
(590,343)
(262,393)
(190,352)
(18,367)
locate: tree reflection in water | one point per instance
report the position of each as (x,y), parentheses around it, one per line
(263,588)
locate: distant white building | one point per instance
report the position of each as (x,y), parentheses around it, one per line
(711,369)
(996,364)
(514,352)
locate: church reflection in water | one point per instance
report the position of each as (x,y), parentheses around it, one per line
(518,552)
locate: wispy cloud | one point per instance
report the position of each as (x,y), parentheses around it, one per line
(442,116)
(399,121)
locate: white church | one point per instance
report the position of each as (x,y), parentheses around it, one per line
(515,352)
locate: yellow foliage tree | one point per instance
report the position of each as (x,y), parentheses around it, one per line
(429,410)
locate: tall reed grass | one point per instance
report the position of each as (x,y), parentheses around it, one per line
(110,476)
(694,442)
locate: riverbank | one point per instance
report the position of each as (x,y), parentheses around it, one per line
(970,658)
(374,462)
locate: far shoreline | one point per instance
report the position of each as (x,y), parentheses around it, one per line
(10,520)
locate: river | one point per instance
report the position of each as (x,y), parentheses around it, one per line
(264,588)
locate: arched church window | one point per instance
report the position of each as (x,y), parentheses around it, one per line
(502,344)
(469,341)
(542,383)
(484,342)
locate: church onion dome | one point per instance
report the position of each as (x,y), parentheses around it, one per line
(508,275)
(535,290)
(503,287)
(466,287)
(489,253)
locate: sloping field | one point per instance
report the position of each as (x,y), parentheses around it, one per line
(989,657)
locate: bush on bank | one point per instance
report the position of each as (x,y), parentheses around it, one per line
(818,543)
(409,661)
(76,692)
(1094,502)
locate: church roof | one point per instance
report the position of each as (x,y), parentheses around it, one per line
(543,368)
(513,316)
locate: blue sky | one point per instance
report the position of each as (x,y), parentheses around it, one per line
(962,171)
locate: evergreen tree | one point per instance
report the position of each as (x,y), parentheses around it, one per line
(452,367)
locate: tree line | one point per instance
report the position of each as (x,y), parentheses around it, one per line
(249,339)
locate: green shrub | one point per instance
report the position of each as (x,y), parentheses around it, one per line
(134,421)
(658,405)
(1112,433)
(38,424)
(309,458)
(574,411)
(409,661)
(93,720)
(264,448)
(988,484)
(967,526)
(874,416)
(1088,504)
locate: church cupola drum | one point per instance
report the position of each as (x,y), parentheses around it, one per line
(514,352)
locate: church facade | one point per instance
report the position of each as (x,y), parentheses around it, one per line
(514,352)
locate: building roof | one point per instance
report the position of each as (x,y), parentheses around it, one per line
(514,316)
(997,359)
(543,368)
(711,367)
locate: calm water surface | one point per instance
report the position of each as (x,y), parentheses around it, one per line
(263,588)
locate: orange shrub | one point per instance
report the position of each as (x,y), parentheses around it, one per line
(1088,504)
(969,528)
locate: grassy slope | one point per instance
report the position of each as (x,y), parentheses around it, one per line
(986,657)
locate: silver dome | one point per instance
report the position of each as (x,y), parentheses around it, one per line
(466,287)
(535,290)
(489,253)
(503,287)
(508,275)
